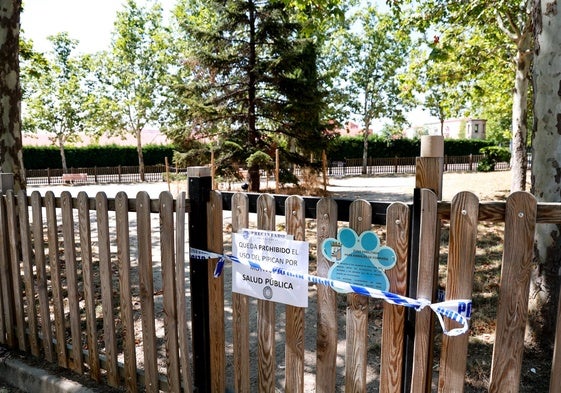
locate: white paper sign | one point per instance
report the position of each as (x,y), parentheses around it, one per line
(270,249)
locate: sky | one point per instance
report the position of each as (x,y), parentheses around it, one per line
(88,21)
(91,23)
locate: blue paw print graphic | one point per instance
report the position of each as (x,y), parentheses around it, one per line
(359,260)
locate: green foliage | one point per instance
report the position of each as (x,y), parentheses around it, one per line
(228,158)
(373,86)
(287,177)
(191,153)
(56,93)
(130,89)
(373,52)
(463,147)
(351,147)
(492,155)
(261,160)
(43,157)
(249,75)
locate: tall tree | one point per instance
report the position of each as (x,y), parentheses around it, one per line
(131,75)
(441,75)
(250,76)
(508,24)
(56,94)
(376,49)
(546,167)
(11,157)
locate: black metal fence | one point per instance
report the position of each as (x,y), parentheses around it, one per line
(349,167)
(406,165)
(119,174)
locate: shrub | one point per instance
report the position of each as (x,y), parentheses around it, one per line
(492,155)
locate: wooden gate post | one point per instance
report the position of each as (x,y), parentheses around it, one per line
(199,187)
(429,168)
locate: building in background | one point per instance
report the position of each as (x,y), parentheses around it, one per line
(453,128)
(352,128)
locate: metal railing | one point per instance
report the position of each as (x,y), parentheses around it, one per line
(348,167)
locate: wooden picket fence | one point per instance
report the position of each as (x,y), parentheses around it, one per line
(96,286)
(80,286)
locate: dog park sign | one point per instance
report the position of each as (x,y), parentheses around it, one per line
(272,250)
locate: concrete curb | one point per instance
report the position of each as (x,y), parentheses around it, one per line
(34,380)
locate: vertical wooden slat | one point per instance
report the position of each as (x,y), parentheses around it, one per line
(240,305)
(147,292)
(11,214)
(124,259)
(459,283)
(295,317)
(360,219)
(84,226)
(426,266)
(106,280)
(392,351)
(42,290)
(72,280)
(265,309)
(5,280)
(327,323)
(28,277)
(54,262)
(216,294)
(429,170)
(167,248)
(512,315)
(180,274)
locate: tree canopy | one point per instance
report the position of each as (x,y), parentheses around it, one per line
(250,77)
(56,96)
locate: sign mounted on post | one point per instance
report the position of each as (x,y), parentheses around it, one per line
(270,250)
(359,260)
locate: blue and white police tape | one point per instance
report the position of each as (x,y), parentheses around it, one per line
(456,310)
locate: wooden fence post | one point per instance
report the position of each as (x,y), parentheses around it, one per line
(199,187)
(429,168)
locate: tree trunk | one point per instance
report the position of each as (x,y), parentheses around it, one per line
(519,158)
(365,148)
(546,168)
(60,141)
(140,154)
(254,180)
(11,156)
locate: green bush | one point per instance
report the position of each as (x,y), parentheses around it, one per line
(492,155)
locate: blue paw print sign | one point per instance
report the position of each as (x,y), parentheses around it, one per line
(359,260)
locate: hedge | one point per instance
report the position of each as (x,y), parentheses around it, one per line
(41,157)
(352,147)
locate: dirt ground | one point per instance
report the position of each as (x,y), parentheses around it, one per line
(382,187)
(486,185)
